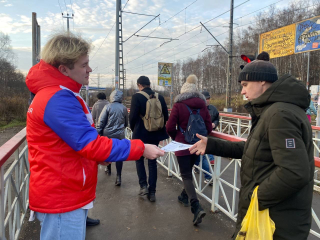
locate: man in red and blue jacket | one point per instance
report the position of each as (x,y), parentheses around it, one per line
(64,147)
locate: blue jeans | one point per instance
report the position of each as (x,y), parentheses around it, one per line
(63,226)
(205,164)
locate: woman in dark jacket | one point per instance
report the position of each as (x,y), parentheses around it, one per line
(113,121)
(179,118)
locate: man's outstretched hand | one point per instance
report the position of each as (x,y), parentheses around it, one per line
(152,151)
(200,146)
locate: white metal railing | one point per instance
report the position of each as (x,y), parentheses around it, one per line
(240,126)
(14,185)
(226,182)
(234,124)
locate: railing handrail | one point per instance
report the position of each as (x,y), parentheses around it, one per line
(234,116)
(249,118)
(7,149)
(228,137)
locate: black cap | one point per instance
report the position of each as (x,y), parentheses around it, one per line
(143,80)
(206,94)
(259,70)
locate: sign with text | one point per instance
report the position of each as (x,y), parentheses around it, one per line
(164,74)
(308,35)
(279,42)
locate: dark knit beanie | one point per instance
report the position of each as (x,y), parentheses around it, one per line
(143,80)
(259,70)
(206,94)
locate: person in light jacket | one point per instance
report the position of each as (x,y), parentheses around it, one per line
(112,123)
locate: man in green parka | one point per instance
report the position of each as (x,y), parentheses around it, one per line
(278,154)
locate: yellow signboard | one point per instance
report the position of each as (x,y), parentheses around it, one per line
(279,42)
(164,74)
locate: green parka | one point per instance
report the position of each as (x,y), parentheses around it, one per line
(277,156)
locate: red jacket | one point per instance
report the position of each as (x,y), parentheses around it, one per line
(180,116)
(64,147)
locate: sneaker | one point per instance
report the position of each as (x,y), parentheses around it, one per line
(108,170)
(208,181)
(195,170)
(118,180)
(151,197)
(143,191)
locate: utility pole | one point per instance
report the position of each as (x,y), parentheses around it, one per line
(118,9)
(68,17)
(36,47)
(98,80)
(308,70)
(229,70)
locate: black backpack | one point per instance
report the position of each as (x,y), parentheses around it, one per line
(195,125)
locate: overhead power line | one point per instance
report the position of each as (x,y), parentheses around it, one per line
(125,5)
(162,24)
(189,30)
(103,40)
(142,27)
(65,5)
(71,3)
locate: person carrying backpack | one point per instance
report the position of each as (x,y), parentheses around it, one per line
(148,116)
(190,115)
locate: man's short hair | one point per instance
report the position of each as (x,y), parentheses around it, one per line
(64,49)
(143,81)
(101,96)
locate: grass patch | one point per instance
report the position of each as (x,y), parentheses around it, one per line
(14,123)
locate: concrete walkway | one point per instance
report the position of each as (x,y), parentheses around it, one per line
(126,216)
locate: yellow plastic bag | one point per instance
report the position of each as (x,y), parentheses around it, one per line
(256,225)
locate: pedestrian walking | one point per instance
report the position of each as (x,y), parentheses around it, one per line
(189,103)
(113,121)
(214,115)
(98,106)
(311,110)
(145,105)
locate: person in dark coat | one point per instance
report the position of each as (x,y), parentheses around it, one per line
(98,106)
(278,154)
(180,116)
(137,111)
(112,123)
(214,115)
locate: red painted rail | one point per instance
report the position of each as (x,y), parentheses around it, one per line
(7,149)
(234,116)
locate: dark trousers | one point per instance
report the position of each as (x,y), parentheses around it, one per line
(153,174)
(119,167)
(185,164)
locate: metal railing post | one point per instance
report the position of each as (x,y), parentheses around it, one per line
(215,187)
(170,159)
(239,128)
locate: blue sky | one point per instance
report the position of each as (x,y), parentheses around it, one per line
(93,19)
